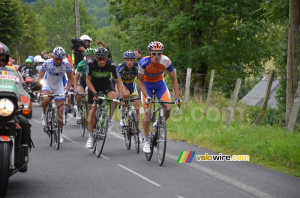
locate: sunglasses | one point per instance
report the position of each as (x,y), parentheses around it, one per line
(156,54)
(3,60)
(102,59)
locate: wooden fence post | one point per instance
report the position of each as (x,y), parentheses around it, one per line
(295,110)
(233,101)
(267,96)
(187,87)
(212,75)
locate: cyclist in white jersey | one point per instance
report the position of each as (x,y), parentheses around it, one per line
(53,71)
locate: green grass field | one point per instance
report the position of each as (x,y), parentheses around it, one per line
(269,146)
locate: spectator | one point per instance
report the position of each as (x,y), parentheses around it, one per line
(138,54)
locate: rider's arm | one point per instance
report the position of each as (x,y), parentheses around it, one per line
(41,75)
(141,85)
(70,79)
(119,87)
(88,81)
(175,83)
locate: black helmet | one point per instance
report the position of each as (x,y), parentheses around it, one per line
(101,52)
(4,51)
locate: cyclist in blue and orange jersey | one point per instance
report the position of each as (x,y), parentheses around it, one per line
(80,84)
(53,71)
(128,72)
(151,69)
(98,75)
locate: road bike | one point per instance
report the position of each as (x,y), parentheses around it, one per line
(158,134)
(130,127)
(52,127)
(101,128)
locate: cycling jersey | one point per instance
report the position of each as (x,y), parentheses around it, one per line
(81,68)
(127,75)
(154,72)
(153,78)
(55,74)
(101,75)
(54,79)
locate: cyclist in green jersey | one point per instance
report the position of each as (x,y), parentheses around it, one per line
(80,84)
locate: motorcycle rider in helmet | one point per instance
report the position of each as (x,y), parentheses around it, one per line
(24,123)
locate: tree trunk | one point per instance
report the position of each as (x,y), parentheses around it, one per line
(199,81)
(292,61)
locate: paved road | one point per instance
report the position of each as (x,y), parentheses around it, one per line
(74,171)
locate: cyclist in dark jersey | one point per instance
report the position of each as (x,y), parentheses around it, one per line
(98,79)
(128,72)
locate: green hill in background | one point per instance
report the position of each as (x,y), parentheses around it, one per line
(97,8)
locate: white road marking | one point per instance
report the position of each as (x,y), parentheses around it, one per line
(100,155)
(139,175)
(226,179)
(69,139)
(36,120)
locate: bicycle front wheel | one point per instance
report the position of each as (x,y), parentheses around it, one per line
(100,140)
(136,136)
(56,131)
(161,140)
(49,125)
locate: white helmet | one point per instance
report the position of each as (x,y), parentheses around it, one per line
(85,38)
(41,60)
(37,58)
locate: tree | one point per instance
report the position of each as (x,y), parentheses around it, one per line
(59,22)
(228,36)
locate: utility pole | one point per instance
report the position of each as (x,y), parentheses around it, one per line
(292,61)
(77,18)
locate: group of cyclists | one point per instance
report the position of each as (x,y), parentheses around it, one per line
(136,76)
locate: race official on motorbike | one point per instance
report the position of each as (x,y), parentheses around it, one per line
(24,123)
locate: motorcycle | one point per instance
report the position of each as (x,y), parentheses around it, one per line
(15,146)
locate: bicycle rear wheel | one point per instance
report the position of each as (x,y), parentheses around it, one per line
(127,134)
(161,141)
(100,140)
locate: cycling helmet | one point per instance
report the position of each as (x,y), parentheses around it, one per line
(41,60)
(59,52)
(37,58)
(85,38)
(89,51)
(31,58)
(4,51)
(129,55)
(101,52)
(28,60)
(156,46)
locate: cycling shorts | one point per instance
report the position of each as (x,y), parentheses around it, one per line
(132,88)
(161,91)
(57,88)
(105,88)
(81,82)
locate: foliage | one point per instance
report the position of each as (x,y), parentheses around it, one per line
(228,36)
(59,22)
(99,10)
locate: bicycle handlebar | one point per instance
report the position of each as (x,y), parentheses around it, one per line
(52,95)
(131,99)
(104,98)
